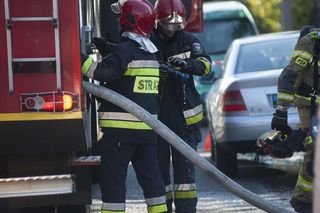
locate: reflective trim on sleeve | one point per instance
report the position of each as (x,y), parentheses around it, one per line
(304,184)
(207,65)
(194,119)
(113,207)
(285,97)
(183,55)
(193,112)
(307,140)
(142,72)
(146,85)
(86,66)
(143,64)
(302,100)
(194,115)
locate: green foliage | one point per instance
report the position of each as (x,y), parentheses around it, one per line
(267,14)
(302,14)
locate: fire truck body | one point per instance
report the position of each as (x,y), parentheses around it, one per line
(43,116)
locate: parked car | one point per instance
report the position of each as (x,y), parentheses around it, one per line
(223,22)
(241,101)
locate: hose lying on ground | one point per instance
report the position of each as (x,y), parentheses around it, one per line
(182,147)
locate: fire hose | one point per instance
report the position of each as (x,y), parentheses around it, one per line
(182,147)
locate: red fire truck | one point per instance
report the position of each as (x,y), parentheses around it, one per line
(46,121)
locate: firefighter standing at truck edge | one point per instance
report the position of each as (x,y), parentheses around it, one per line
(180,104)
(298,85)
(132,70)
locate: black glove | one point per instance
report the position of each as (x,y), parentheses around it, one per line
(167,70)
(102,45)
(184,64)
(280,120)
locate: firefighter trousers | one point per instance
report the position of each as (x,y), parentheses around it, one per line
(183,191)
(115,159)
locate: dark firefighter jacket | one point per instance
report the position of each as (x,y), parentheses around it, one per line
(180,100)
(133,73)
(295,83)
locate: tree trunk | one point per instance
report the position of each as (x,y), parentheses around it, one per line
(286,15)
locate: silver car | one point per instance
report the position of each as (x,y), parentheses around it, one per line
(241,101)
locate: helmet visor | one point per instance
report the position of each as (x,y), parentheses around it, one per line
(174,22)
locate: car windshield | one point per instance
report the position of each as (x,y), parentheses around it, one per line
(218,34)
(266,55)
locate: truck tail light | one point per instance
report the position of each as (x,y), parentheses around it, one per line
(233,101)
(50,102)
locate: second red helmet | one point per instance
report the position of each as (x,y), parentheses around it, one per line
(171,14)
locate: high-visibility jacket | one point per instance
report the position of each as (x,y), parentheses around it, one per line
(133,73)
(176,95)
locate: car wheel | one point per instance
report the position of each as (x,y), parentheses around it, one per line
(226,161)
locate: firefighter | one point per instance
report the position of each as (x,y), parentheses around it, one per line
(132,70)
(179,102)
(298,85)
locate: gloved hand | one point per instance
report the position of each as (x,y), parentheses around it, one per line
(184,64)
(280,120)
(102,45)
(167,70)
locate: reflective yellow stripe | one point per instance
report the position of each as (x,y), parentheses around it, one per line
(185,194)
(304,184)
(158,208)
(147,85)
(307,140)
(285,97)
(124,124)
(86,66)
(142,72)
(207,65)
(37,116)
(194,119)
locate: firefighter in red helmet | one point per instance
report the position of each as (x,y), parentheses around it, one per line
(180,104)
(132,70)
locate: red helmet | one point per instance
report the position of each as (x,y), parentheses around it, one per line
(137,16)
(171,14)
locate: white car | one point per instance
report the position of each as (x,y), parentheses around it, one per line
(242,99)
